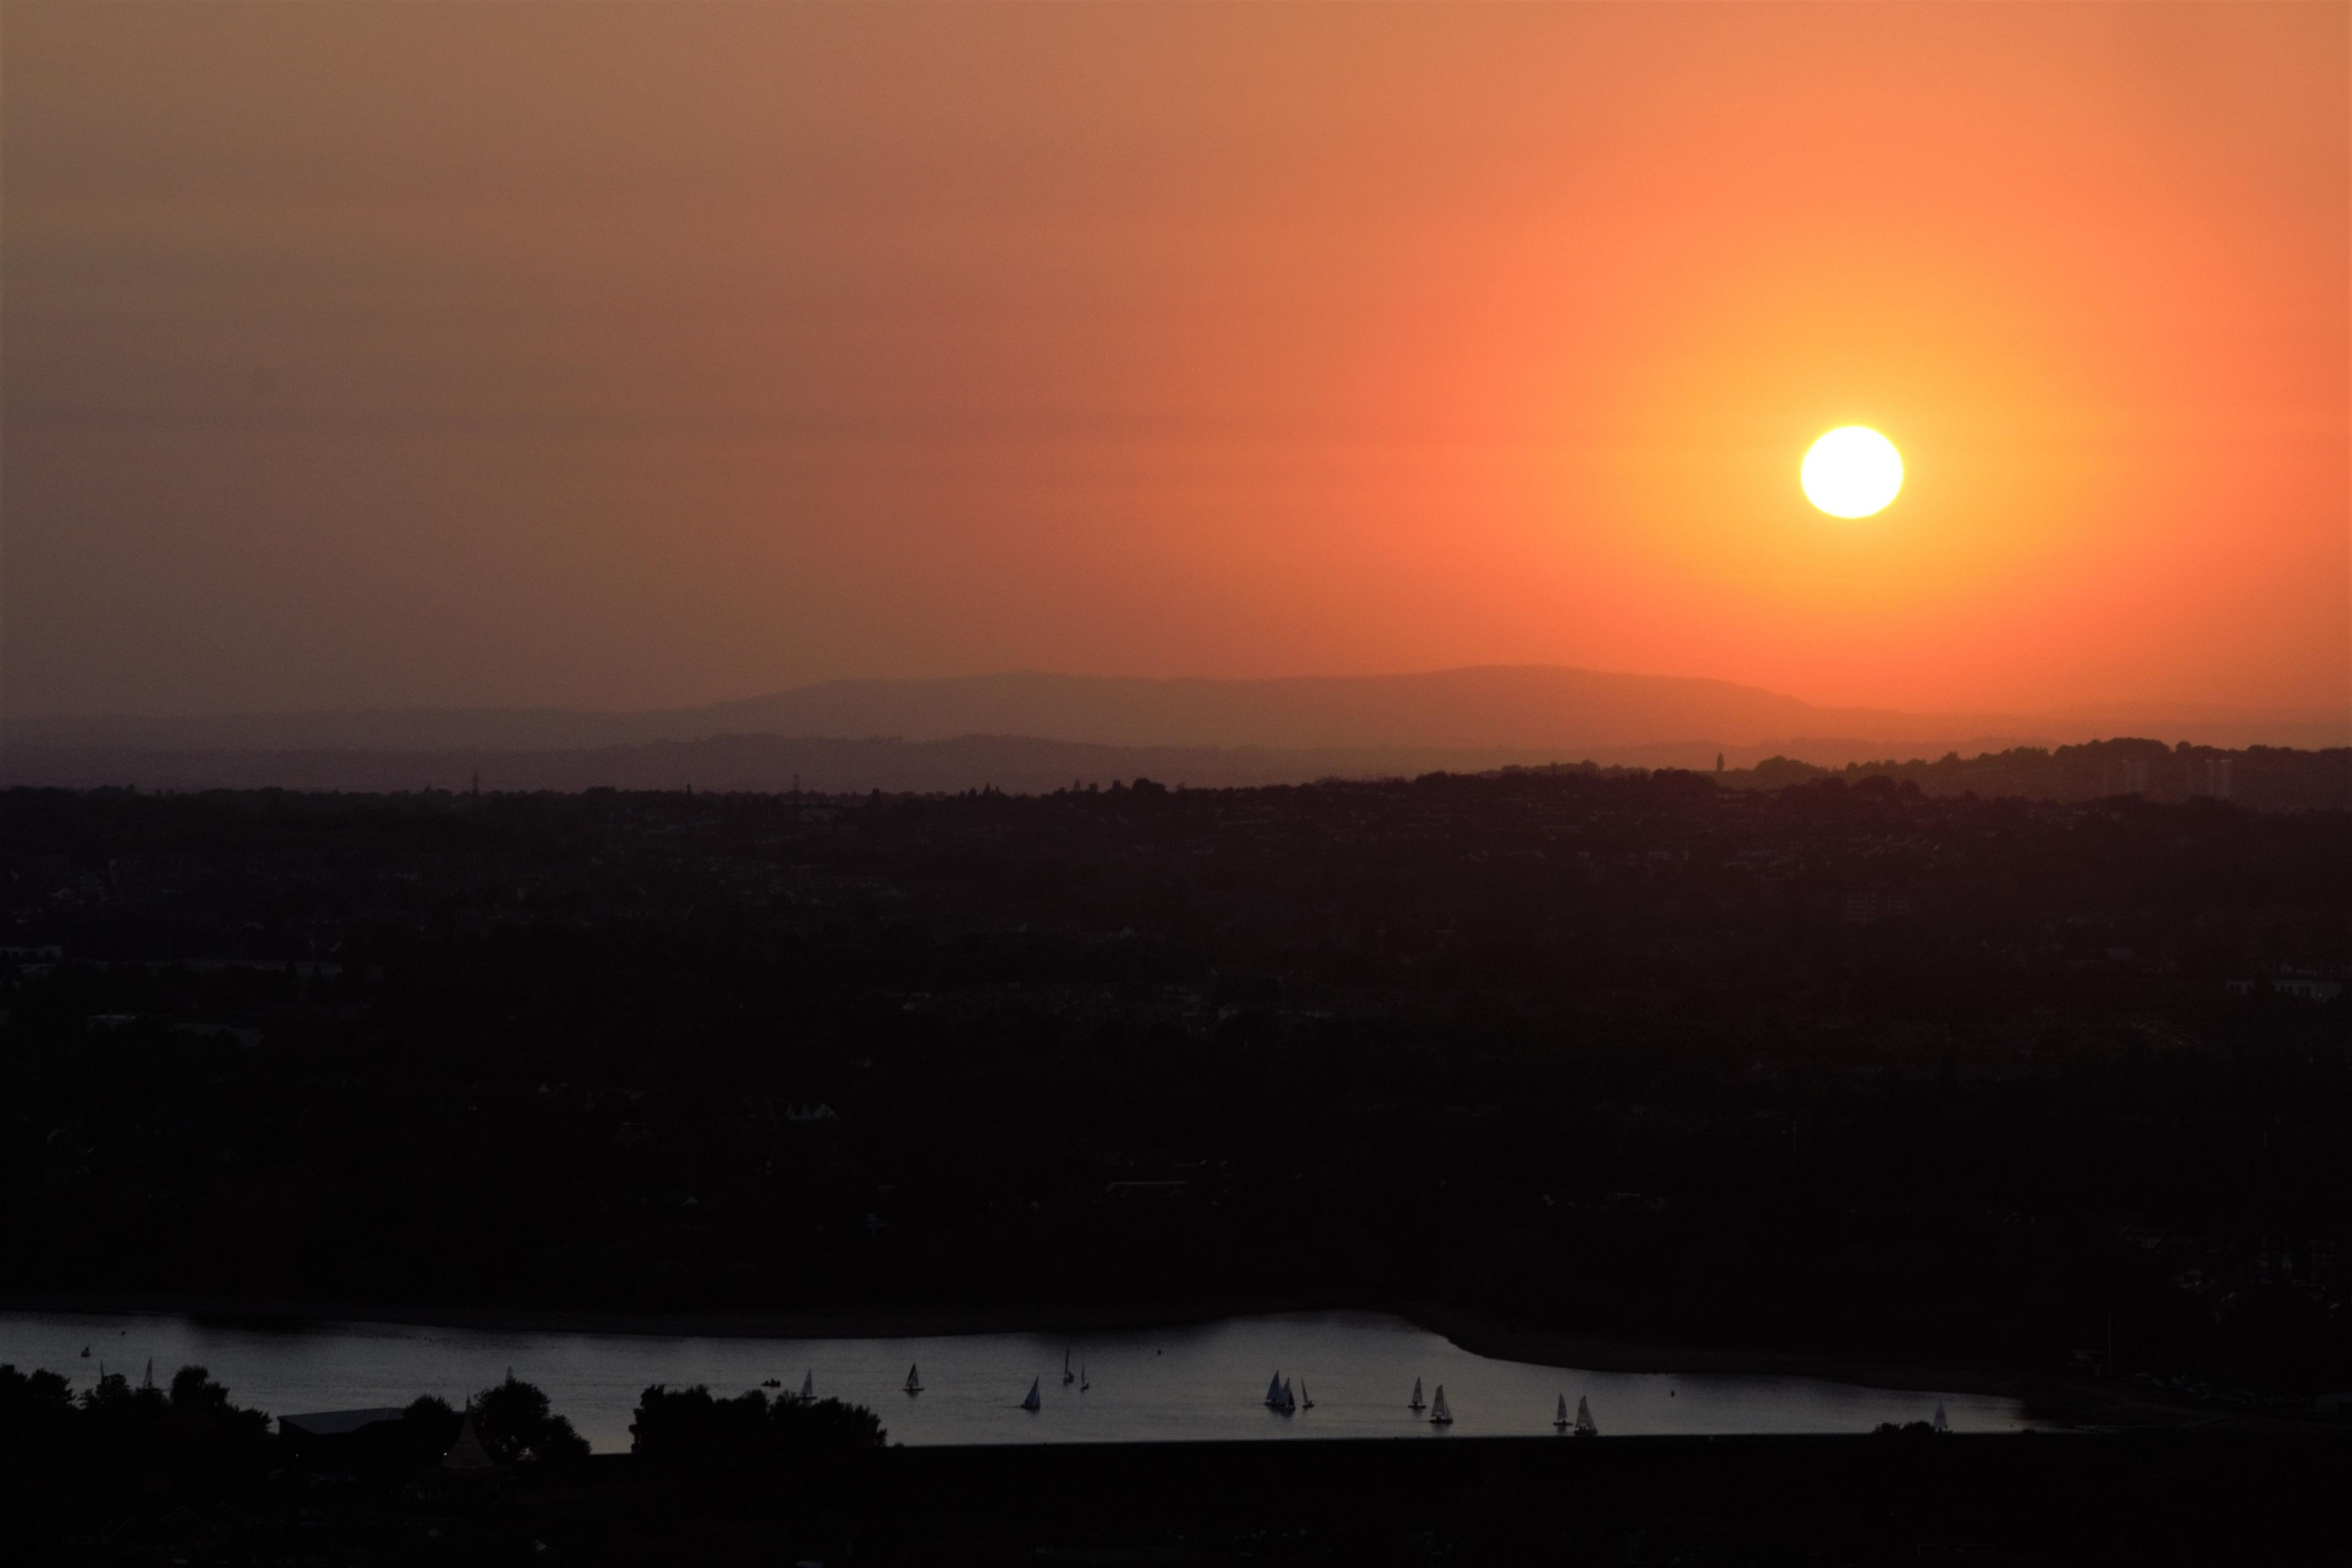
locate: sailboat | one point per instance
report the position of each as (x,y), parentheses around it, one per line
(1303,1402)
(1939,1423)
(1559,1421)
(914,1380)
(1068,1377)
(1584,1426)
(808,1387)
(1416,1405)
(1274,1390)
(1438,1415)
(1085,1382)
(1032,1403)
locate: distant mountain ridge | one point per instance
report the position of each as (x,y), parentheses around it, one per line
(1026,732)
(763,764)
(1549,709)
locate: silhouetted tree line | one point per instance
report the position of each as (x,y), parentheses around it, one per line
(1846,1064)
(78,1461)
(2271,778)
(117,1471)
(794,1449)
(130,1441)
(512,1419)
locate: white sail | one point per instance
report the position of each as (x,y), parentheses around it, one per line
(1416,1403)
(1560,1419)
(1940,1423)
(1438,1415)
(914,1380)
(1032,1402)
(1584,1426)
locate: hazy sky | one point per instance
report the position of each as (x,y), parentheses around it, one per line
(609,355)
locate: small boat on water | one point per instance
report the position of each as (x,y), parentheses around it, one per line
(1559,1423)
(1085,1382)
(1278,1397)
(1068,1377)
(1584,1426)
(1438,1415)
(1303,1402)
(1032,1403)
(1416,1405)
(1940,1422)
(1273,1390)
(772,1383)
(808,1387)
(914,1380)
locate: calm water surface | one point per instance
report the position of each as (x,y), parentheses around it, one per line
(1203,1381)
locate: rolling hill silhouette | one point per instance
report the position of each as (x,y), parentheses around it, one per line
(1519,706)
(1036,729)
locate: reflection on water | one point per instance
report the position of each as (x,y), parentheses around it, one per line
(1202,1381)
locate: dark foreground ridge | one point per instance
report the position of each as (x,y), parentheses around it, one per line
(119,1475)
(1901,1497)
(139,1477)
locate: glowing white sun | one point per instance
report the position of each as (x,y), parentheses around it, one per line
(1853,471)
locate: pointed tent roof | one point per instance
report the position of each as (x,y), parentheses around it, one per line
(467,1453)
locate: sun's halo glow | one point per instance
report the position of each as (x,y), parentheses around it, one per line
(1853,471)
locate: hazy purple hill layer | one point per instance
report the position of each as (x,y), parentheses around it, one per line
(1535,713)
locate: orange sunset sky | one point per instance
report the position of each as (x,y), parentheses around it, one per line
(611,355)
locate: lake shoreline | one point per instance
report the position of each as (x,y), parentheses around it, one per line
(2049,1398)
